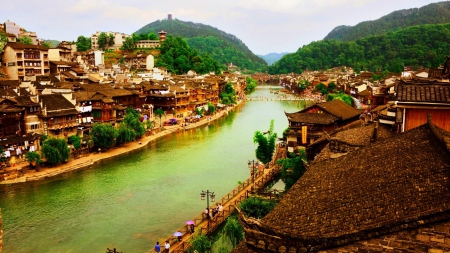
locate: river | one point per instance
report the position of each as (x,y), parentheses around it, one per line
(138,199)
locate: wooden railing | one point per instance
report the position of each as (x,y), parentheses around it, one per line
(229,202)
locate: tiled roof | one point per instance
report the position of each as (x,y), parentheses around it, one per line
(339,109)
(25,101)
(423,92)
(313,118)
(386,186)
(55,102)
(19,45)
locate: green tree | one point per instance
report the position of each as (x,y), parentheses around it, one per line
(152,36)
(25,40)
(159,113)
(124,134)
(2,155)
(128,44)
(3,41)
(251,84)
(211,108)
(266,145)
(341,96)
(227,96)
(55,150)
(33,157)
(257,206)
(132,120)
(302,84)
(75,140)
(47,44)
(233,231)
(110,39)
(292,168)
(83,43)
(200,243)
(102,40)
(103,135)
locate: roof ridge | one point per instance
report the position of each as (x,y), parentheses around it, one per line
(443,139)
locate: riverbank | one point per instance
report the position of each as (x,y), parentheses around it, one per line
(96,157)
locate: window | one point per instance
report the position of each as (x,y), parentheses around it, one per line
(34,126)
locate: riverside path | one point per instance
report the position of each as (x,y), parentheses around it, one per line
(229,201)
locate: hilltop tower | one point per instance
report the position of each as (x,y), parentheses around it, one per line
(169,17)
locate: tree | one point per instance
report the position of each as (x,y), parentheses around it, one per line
(55,150)
(341,96)
(266,145)
(3,41)
(128,45)
(103,135)
(292,168)
(159,113)
(251,84)
(2,155)
(102,40)
(211,108)
(83,43)
(25,40)
(132,120)
(233,231)
(200,243)
(152,36)
(124,134)
(47,44)
(75,140)
(33,157)
(302,84)
(256,206)
(110,39)
(227,96)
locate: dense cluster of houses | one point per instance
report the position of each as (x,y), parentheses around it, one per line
(59,92)
(378,175)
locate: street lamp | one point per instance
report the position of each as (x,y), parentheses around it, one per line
(251,165)
(208,194)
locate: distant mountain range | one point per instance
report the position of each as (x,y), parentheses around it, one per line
(221,46)
(435,13)
(272,57)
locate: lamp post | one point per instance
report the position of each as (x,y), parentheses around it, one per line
(251,165)
(208,194)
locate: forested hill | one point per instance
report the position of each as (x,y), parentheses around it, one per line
(435,13)
(418,46)
(221,46)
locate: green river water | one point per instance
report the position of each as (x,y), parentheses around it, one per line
(140,198)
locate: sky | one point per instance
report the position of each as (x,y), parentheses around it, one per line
(265,26)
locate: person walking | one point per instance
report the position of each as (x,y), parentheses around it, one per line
(157,247)
(167,246)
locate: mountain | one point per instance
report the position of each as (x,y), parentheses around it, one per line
(272,57)
(417,46)
(435,13)
(221,46)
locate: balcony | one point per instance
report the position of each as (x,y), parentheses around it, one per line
(62,125)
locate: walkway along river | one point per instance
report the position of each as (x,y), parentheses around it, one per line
(136,200)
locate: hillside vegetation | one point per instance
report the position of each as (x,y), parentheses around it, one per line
(418,46)
(221,46)
(435,13)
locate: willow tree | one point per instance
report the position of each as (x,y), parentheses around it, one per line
(266,144)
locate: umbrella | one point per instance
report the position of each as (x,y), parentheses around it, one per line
(190,222)
(178,233)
